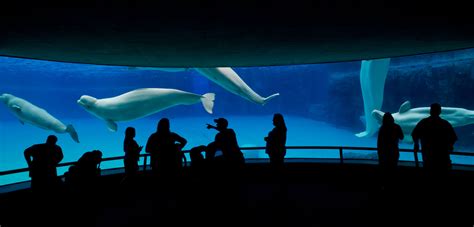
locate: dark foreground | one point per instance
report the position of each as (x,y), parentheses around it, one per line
(307,194)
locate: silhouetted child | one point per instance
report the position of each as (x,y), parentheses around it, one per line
(387,145)
(42,160)
(132,152)
(165,147)
(276,143)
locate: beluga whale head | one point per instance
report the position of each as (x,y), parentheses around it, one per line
(86,101)
(5,97)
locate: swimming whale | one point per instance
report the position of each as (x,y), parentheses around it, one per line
(227,79)
(140,103)
(407,117)
(372,81)
(230,80)
(29,113)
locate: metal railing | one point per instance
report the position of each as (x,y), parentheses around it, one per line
(337,148)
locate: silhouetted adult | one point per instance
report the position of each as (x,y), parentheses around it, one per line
(226,143)
(437,138)
(165,149)
(276,142)
(86,171)
(42,160)
(387,145)
(132,152)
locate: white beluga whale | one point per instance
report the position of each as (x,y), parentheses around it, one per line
(230,80)
(140,103)
(227,79)
(407,117)
(26,112)
(372,81)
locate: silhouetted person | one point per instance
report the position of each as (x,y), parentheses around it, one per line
(276,142)
(132,152)
(42,160)
(387,145)
(85,173)
(165,147)
(226,142)
(437,138)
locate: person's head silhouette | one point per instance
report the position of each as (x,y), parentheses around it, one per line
(130,132)
(388,119)
(221,123)
(435,109)
(163,125)
(51,140)
(278,120)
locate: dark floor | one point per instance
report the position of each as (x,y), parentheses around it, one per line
(311,194)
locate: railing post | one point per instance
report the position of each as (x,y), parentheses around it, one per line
(341,155)
(144,163)
(415,152)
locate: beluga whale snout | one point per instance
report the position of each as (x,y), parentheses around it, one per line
(29,113)
(141,103)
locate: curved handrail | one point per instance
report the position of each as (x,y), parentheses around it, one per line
(340,148)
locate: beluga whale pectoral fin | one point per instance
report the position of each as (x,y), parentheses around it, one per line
(16,108)
(372,81)
(406,106)
(111,125)
(378,115)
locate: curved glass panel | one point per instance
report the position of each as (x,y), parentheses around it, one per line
(322,104)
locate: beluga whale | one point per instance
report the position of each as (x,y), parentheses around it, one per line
(26,112)
(140,103)
(407,117)
(372,81)
(228,79)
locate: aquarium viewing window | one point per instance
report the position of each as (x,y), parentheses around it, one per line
(323,104)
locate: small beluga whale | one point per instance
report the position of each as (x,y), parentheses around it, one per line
(228,79)
(372,81)
(26,112)
(140,103)
(407,117)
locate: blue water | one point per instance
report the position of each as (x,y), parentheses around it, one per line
(322,104)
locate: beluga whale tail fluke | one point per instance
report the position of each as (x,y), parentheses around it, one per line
(208,101)
(265,100)
(72,132)
(26,112)
(141,103)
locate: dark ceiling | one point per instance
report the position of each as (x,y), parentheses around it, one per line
(179,33)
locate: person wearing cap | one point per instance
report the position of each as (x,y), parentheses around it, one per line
(226,142)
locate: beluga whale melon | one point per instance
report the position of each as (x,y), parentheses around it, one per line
(26,112)
(140,103)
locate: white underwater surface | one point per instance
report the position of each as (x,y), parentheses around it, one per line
(250,130)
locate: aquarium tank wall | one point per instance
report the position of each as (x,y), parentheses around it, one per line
(322,105)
